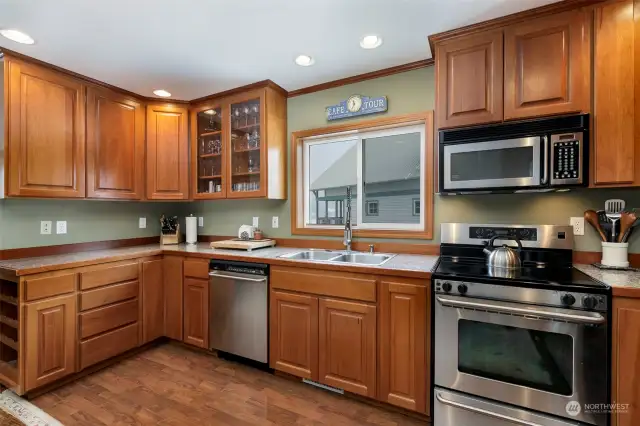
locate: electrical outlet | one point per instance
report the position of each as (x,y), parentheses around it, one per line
(256,221)
(274,222)
(200,221)
(61,227)
(578,225)
(142,222)
(45,227)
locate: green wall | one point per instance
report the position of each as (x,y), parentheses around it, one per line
(409,92)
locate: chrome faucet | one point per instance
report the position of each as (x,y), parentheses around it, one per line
(347,223)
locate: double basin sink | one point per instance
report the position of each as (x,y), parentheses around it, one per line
(354,258)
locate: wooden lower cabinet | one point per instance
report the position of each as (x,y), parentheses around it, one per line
(173,289)
(196,312)
(625,355)
(293,335)
(50,343)
(152,300)
(347,346)
(403,336)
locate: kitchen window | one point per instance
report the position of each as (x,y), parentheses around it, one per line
(386,167)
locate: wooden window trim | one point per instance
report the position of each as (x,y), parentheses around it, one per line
(426,118)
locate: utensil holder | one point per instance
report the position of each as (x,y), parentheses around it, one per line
(615,254)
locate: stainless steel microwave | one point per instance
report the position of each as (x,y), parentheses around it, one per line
(540,155)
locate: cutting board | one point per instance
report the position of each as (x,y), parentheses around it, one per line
(238,244)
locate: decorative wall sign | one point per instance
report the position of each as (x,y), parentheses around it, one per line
(357,105)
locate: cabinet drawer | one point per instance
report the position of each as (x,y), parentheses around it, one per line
(109,275)
(106,295)
(108,345)
(196,269)
(39,288)
(325,283)
(107,318)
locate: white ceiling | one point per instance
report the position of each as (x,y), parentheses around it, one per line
(194,48)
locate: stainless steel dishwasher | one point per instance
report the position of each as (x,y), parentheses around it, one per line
(239,316)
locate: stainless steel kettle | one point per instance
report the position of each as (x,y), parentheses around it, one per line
(503,257)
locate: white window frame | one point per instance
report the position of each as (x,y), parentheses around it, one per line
(359,136)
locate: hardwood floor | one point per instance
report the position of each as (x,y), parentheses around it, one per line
(174,385)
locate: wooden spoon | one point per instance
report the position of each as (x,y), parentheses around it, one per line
(592,217)
(627,219)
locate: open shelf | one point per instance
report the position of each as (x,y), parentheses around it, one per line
(9,321)
(9,299)
(9,331)
(216,132)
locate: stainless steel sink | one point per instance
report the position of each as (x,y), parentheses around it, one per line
(362,258)
(340,257)
(312,255)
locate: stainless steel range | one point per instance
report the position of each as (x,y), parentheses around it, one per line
(524,345)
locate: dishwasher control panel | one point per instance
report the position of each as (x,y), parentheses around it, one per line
(239,267)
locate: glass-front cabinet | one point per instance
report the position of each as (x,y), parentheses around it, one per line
(233,138)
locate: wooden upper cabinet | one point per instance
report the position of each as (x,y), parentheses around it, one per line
(403,336)
(115,145)
(616,144)
(45,132)
(469,80)
(547,66)
(238,146)
(347,346)
(625,354)
(51,344)
(167,152)
(293,334)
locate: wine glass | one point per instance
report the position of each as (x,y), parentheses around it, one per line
(236,114)
(217,146)
(256,139)
(246,111)
(256,111)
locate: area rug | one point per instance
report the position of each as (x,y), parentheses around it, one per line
(15,411)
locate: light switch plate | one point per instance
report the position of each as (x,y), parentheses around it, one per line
(274,222)
(45,227)
(256,221)
(200,221)
(578,225)
(142,222)
(61,227)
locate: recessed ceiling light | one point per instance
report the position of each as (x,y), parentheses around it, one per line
(304,60)
(162,93)
(17,36)
(370,42)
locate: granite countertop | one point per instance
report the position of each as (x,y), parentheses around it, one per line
(623,283)
(417,266)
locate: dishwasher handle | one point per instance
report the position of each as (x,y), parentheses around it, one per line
(234,276)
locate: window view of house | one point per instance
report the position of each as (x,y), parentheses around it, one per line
(383,169)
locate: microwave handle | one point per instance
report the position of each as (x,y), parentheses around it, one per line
(545,167)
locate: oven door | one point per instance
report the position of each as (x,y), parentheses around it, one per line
(506,163)
(534,357)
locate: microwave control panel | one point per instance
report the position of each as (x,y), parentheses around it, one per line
(566,159)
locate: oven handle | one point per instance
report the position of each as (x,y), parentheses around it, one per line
(593,318)
(510,419)
(545,175)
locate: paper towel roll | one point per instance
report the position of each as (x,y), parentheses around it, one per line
(192,230)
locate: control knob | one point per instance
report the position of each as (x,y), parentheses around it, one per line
(462,288)
(567,299)
(589,302)
(446,287)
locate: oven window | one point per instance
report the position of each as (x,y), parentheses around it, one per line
(504,163)
(532,358)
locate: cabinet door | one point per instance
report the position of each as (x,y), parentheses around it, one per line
(209,151)
(167,153)
(469,80)
(293,334)
(45,132)
(115,145)
(196,312)
(616,153)
(625,355)
(152,300)
(347,346)
(403,334)
(173,288)
(547,66)
(50,344)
